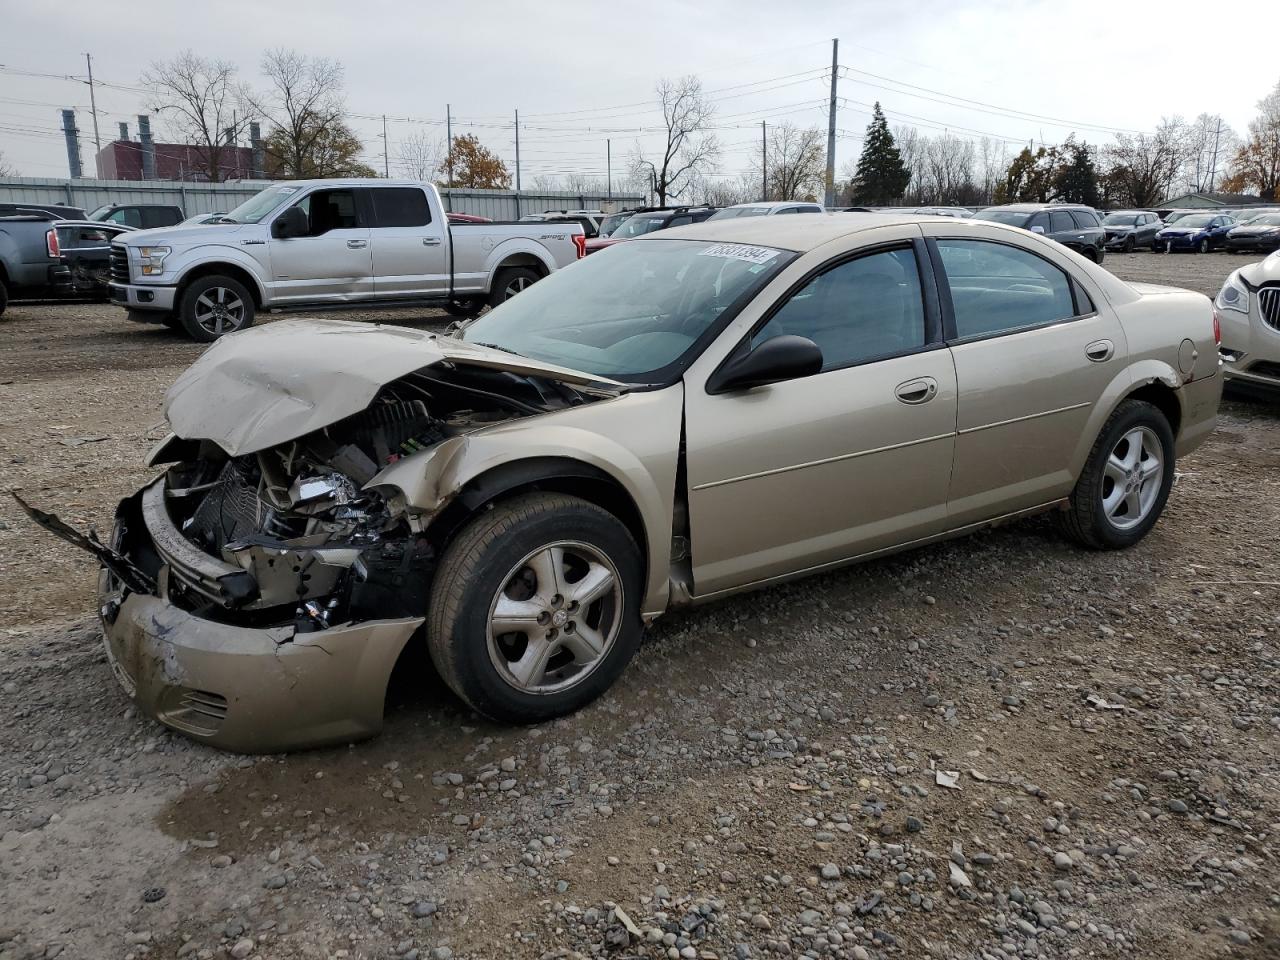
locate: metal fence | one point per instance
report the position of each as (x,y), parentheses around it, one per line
(197,198)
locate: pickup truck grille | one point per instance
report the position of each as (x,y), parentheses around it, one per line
(1269,305)
(119,262)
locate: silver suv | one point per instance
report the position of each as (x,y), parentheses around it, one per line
(1248,309)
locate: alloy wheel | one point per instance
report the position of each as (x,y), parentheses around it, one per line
(555,618)
(516,286)
(1132,478)
(219,310)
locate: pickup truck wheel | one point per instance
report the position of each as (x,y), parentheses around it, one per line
(511,281)
(4,296)
(1126,480)
(214,306)
(535,608)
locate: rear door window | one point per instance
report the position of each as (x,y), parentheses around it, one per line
(1061,222)
(997,288)
(400,207)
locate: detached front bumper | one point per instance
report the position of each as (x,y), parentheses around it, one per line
(143,297)
(250,690)
(1119,241)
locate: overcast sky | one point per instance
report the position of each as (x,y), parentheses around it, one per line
(581,73)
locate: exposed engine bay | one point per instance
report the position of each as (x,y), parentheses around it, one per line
(290,534)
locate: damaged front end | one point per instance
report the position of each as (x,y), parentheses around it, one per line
(258,597)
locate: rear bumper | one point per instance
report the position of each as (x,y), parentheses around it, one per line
(141,297)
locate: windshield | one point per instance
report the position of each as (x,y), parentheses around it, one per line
(1012,218)
(1120,219)
(1196,220)
(100,212)
(612,222)
(639,225)
(729,212)
(631,310)
(1176,216)
(259,205)
(1266,219)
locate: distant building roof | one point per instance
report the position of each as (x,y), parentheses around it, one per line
(1211,200)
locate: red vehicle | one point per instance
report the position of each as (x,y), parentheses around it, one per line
(647,221)
(468,218)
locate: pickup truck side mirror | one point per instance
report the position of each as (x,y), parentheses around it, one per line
(780,358)
(292,223)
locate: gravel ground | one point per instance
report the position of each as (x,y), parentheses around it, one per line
(999,747)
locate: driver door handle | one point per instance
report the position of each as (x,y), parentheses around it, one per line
(431,241)
(357,244)
(920,390)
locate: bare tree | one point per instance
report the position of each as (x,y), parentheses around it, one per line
(1256,165)
(6,168)
(303,103)
(583,183)
(546,183)
(727,191)
(993,162)
(948,170)
(1142,167)
(204,103)
(1210,145)
(795,162)
(421,155)
(911,148)
(690,148)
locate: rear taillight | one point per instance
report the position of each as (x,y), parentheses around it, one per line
(1217,327)
(51,241)
(580,242)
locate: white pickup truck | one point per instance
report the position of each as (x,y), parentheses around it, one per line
(311,243)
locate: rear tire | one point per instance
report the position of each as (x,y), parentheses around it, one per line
(511,281)
(1125,483)
(523,565)
(465,309)
(213,306)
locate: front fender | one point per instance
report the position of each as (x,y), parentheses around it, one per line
(206,256)
(1131,378)
(633,440)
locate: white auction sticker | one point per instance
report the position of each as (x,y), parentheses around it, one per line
(740,251)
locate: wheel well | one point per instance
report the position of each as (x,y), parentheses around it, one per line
(551,474)
(523,260)
(226,270)
(1163,399)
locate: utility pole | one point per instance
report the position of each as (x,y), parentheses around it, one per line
(831,127)
(93,108)
(608,169)
(764,163)
(386,150)
(517,164)
(1213,165)
(448,141)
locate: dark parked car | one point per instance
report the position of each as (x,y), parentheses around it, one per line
(1127,229)
(1200,232)
(59,210)
(142,216)
(648,221)
(1072,226)
(42,256)
(1260,233)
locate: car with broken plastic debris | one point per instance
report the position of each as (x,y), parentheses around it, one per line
(679,418)
(309,243)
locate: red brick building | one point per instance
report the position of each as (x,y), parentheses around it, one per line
(122,160)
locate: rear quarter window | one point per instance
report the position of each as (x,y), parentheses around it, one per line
(1084,219)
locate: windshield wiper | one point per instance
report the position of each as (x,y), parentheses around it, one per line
(494,346)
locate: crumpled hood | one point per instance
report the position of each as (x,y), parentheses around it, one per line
(260,387)
(1250,230)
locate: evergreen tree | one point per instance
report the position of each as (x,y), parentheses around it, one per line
(881,177)
(1076,178)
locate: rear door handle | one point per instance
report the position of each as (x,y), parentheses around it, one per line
(920,390)
(1100,351)
(357,244)
(431,241)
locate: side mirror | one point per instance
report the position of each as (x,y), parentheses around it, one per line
(292,223)
(777,359)
(1037,229)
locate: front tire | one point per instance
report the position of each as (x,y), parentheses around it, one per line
(1129,244)
(213,306)
(1204,246)
(535,607)
(510,282)
(1126,480)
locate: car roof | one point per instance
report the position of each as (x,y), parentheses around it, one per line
(800,234)
(1037,207)
(774,204)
